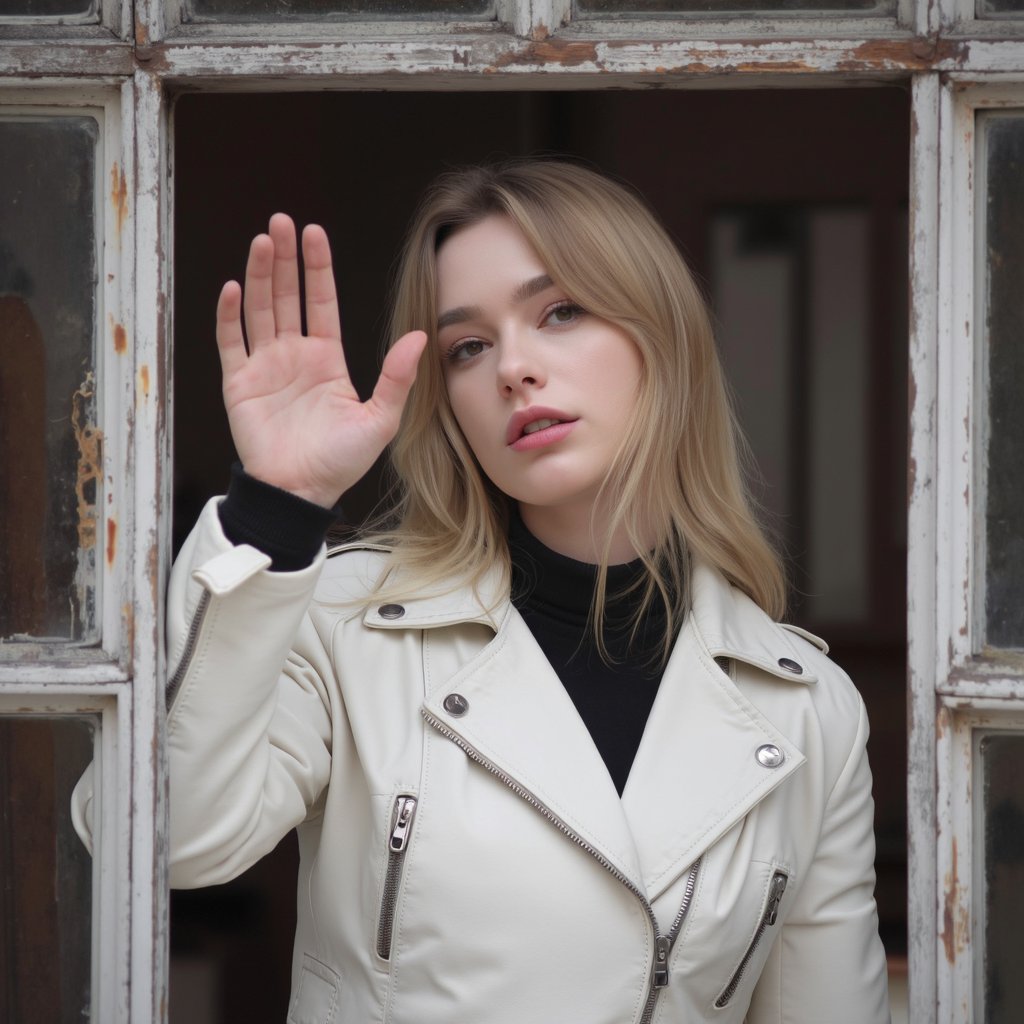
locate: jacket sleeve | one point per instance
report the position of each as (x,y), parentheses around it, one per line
(828,963)
(249,725)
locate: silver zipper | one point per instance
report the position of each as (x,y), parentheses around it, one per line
(174,683)
(401,825)
(662,943)
(768,918)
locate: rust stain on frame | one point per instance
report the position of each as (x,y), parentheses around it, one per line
(955,916)
(111,540)
(144,380)
(559,52)
(119,195)
(89,440)
(120,339)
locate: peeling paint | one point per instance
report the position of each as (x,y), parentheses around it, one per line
(89,440)
(128,626)
(540,32)
(955,916)
(111,541)
(119,195)
(560,52)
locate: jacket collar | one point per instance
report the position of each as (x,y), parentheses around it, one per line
(729,623)
(696,773)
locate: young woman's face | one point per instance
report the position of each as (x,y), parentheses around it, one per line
(542,390)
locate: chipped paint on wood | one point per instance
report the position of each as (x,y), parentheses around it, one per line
(956,918)
(538,49)
(119,195)
(120,338)
(111,551)
(89,440)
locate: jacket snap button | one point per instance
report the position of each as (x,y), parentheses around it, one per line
(769,756)
(456,705)
(791,666)
(391,611)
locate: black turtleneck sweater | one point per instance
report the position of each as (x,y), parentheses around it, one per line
(614,696)
(552,593)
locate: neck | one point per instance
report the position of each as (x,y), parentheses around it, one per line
(578,534)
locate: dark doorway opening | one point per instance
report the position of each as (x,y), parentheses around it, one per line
(791,206)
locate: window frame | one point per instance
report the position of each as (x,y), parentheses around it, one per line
(133,63)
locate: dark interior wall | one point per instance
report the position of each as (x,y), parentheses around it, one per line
(356,162)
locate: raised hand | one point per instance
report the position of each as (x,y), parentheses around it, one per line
(295,417)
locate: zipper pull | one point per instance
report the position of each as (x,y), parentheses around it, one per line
(404,808)
(662,948)
(775,897)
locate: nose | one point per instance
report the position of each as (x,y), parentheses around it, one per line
(519,366)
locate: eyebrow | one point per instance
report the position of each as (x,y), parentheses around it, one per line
(525,291)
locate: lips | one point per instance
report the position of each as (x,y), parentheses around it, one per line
(532,420)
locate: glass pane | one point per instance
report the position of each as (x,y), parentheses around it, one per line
(657,8)
(46,8)
(1000,8)
(1003,136)
(277,10)
(1003,769)
(49,444)
(45,872)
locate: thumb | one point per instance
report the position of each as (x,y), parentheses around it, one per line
(397,375)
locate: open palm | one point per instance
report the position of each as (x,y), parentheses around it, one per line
(296,419)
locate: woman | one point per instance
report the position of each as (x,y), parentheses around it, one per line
(549,754)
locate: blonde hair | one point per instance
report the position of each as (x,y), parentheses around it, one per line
(677,472)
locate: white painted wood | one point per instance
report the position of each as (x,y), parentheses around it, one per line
(955,427)
(484,59)
(535,19)
(150,548)
(961,850)
(151,19)
(921,546)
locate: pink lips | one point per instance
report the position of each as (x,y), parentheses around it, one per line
(520,442)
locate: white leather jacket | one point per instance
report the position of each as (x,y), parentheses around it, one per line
(465,858)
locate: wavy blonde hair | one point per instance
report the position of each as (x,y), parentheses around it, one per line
(677,473)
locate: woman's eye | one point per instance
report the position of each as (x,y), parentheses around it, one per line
(465,350)
(563,313)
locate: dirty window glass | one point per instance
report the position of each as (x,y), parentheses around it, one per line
(49,442)
(1002,758)
(45,872)
(659,8)
(284,10)
(1003,325)
(47,8)
(1000,8)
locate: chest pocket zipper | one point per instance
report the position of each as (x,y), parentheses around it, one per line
(769,916)
(398,841)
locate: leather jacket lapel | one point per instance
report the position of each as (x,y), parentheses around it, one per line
(697,770)
(516,719)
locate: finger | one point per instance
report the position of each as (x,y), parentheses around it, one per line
(397,376)
(322,318)
(230,342)
(285,275)
(258,299)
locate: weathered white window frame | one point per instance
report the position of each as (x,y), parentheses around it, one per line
(139,55)
(117,680)
(957,684)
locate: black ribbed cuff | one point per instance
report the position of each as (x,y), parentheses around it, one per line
(278,523)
